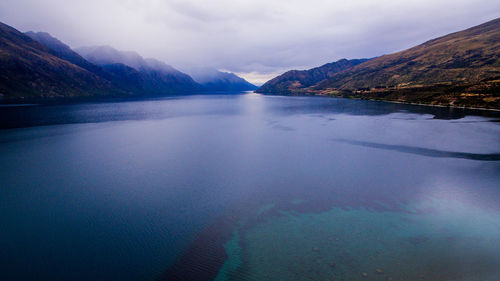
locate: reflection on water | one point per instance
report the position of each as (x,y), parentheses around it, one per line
(249,187)
(14,116)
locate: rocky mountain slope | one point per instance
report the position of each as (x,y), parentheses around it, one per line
(152,77)
(36,65)
(29,69)
(459,69)
(63,51)
(39,66)
(294,81)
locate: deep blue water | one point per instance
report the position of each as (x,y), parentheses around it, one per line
(123,190)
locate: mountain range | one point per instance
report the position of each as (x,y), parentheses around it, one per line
(215,80)
(294,81)
(35,65)
(29,69)
(147,76)
(459,69)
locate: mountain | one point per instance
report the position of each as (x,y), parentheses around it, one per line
(29,69)
(294,81)
(122,77)
(36,65)
(214,80)
(153,76)
(460,69)
(63,51)
(102,55)
(209,78)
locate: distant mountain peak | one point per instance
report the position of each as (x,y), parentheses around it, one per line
(294,81)
(104,54)
(215,80)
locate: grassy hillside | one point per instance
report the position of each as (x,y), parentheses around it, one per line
(294,81)
(459,69)
(28,69)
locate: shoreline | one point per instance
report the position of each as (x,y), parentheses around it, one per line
(435,105)
(381,100)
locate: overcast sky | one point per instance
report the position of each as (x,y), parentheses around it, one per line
(254,38)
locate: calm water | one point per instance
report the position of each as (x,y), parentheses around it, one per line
(248,187)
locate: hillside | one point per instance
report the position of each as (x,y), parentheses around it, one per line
(294,81)
(153,77)
(460,69)
(29,69)
(214,80)
(36,65)
(63,51)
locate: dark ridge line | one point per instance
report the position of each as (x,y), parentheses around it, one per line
(425,151)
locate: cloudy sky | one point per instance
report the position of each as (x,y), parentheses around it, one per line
(254,38)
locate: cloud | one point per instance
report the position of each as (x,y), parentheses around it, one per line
(259,38)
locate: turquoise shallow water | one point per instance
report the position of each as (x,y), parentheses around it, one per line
(248,187)
(453,242)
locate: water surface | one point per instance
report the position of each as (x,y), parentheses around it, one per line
(249,187)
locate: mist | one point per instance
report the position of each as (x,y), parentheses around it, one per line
(255,39)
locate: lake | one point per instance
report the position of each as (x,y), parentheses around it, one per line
(249,187)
